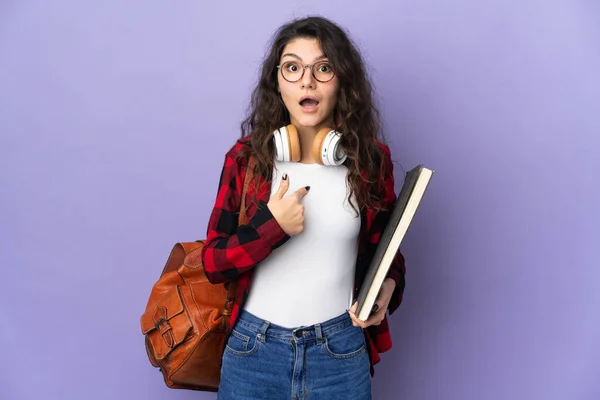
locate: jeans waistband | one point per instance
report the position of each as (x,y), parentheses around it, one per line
(253,323)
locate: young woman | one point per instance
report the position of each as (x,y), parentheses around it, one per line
(321,197)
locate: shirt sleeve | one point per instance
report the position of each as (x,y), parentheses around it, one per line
(231,250)
(398,268)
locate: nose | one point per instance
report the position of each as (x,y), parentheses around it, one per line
(308,80)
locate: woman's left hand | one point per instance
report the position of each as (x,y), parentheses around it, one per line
(381,305)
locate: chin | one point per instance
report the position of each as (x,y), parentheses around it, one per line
(310,121)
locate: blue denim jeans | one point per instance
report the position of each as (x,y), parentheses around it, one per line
(324,361)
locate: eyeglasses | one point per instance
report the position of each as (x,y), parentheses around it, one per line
(293,71)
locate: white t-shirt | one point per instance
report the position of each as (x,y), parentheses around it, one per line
(310,278)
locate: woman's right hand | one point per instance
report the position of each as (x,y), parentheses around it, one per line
(288,211)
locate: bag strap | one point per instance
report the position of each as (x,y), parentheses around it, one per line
(249,175)
(242,219)
(181,250)
(189,252)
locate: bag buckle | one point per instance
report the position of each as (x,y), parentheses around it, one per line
(162,325)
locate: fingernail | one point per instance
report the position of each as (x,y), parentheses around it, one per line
(375,308)
(285,176)
(307,187)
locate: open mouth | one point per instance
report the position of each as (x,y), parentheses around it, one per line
(309,103)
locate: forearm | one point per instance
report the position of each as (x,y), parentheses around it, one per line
(230,252)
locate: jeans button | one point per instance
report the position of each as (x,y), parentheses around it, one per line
(298,334)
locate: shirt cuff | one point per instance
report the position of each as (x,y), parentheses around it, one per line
(398,277)
(267,227)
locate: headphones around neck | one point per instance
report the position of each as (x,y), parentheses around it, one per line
(326,148)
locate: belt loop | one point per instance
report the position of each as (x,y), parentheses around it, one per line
(319,334)
(262,334)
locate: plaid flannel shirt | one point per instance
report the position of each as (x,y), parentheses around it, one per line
(231,252)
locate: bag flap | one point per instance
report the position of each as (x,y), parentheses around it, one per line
(164,306)
(166,324)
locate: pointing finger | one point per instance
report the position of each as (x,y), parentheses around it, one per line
(300,193)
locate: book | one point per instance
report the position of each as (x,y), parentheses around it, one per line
(407,202)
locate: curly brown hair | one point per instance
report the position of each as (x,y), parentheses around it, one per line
(355,114)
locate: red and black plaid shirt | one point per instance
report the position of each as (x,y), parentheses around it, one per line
(231,251)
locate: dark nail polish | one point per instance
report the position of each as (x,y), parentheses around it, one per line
(285,177)
(375,308)
(307,188)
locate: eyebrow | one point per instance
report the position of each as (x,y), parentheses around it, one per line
(322,56)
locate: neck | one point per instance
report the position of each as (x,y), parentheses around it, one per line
(307,136)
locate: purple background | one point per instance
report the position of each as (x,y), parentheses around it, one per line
(114,119)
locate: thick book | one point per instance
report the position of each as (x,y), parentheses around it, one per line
(415,183)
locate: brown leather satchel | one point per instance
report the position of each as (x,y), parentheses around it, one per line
(185,322)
